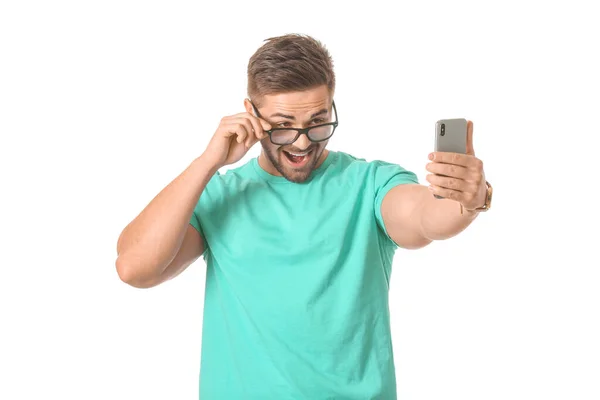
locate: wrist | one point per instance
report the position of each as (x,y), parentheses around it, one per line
(207,163)
(472,210)
(468,213)
(486,203)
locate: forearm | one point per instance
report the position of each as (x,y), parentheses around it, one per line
(150,242)
(441,218)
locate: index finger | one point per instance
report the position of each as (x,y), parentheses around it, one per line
(450,158)
(259,124)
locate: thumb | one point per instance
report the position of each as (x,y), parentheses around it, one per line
(265,125)
(470,149)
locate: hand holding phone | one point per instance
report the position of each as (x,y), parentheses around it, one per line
(455,172)
(451,137)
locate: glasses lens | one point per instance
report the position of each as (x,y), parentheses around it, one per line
(283,136)
(320,132)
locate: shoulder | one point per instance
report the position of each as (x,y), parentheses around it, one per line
(232,177)
(352,164)
(225,183)
(377,169)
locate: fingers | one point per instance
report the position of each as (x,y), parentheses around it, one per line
(256,128)
(259,126)
(447,193)
(247,127)
(249,136)
(470,149)
(258,123)
(455,171)
(457,159)
(451,158)
(465,198)
(265,125)
(455,184)
(236,129)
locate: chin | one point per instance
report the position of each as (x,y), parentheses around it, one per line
(298,173)
(296,176)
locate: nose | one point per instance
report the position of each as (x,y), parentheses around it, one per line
(302,143)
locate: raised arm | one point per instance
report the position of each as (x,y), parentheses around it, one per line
(160,242)
(414,217)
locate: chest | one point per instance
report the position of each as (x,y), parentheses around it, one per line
(260,224)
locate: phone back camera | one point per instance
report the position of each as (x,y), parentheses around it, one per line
(443,130)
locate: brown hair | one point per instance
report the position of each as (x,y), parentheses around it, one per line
(289,63)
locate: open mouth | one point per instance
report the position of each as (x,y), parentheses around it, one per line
(297,159)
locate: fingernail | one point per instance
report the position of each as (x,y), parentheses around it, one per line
(431,156)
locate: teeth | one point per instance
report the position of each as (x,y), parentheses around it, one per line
(298,155)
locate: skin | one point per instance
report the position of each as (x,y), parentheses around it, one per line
(300,106)
(414,217)
(159,243)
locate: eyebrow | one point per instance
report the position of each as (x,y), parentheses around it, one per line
(291,117)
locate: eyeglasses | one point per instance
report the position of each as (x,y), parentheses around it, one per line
(316,133)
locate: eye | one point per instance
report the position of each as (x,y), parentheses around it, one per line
(283,124)
(318,121)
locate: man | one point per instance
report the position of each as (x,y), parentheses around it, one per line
(298,242)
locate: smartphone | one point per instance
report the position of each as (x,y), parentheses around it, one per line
(451,137)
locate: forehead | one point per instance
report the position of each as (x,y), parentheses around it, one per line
(297,103)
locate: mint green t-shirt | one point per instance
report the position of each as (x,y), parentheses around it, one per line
(296,298)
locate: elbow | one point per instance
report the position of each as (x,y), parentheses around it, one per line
(408,239)
(131,276)
(415,243)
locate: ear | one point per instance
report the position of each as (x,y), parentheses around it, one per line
(248,106)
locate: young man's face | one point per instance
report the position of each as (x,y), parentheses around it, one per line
(295,161)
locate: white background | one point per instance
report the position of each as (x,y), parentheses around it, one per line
(103,103)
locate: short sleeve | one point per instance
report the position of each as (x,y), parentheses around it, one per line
(386,177)
(209,199)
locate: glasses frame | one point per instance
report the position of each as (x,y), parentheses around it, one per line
(300,131)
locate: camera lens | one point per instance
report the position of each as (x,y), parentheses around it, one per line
(443,130)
